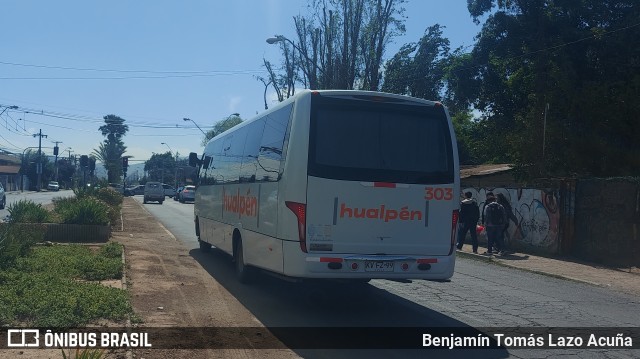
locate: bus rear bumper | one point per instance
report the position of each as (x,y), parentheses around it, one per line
(350,266)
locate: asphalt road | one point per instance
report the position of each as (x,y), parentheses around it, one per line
(43,197)
(480,295)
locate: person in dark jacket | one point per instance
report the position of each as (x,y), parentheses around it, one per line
(469,215)
(494,218)
(504,202)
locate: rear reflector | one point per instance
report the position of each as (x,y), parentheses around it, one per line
(454,229)
(300,211)
(330,260)
(427,260)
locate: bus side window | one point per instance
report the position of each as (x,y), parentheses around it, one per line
(270,152)
(232,152)
(214,170)
(251,151)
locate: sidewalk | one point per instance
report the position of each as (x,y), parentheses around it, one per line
(627,281)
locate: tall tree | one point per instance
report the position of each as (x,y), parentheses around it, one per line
(29,167)
(110,151)
(341,44)
(220,127)
(419,70)
(161,167)
(556,80)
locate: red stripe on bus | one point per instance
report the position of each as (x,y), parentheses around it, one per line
(384,184)
(330,260)
(427,260)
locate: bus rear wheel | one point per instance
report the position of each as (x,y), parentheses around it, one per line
(244,273)
(204,246)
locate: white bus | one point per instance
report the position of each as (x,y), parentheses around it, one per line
(334,184)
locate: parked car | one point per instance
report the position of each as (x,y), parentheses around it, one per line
(153,191)
(178,190)
(117,187)
(3,197)
(188,194)
(53,186)
(168,190)
(134,191)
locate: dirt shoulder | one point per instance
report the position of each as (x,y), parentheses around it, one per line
(170,289)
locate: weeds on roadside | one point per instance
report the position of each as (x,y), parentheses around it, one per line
(84,354)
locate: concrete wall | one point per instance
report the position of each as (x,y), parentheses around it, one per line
(607,221)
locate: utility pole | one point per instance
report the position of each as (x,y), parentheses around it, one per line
(55,153)
(39,163)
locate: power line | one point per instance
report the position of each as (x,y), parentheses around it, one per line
(130,77)
(85,119)
(128,71)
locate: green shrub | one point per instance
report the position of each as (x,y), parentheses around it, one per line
(100,268)
(111,250)
(84,210)
(109,196)
(25,211)
(16,241)
(47,287)
(48,299)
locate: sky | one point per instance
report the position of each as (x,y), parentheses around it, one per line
(67,64)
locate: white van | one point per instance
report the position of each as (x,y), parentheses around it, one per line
(334,184)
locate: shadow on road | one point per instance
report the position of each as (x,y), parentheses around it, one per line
(340,314)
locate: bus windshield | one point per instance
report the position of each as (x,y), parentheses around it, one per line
(395,142)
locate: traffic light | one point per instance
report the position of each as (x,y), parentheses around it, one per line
(55,151)
(84,161)
(92,164)
(125,162)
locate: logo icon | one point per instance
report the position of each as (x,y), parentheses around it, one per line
(19,338)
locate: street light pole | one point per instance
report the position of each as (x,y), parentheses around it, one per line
(281,38)
(188,119)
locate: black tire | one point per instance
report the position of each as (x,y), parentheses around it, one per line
(160,202)
(244,273)
(204,246)
(144,200)
(2,204)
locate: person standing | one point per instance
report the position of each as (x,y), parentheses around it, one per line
(469,216)
(506,238)
(494,219)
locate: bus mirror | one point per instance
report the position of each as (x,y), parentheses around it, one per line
(193,160)
(206,163)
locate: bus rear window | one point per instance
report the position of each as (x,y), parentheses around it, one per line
(365,141)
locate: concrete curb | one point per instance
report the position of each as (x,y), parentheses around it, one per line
(498,261)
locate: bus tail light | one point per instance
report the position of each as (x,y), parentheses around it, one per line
(300,211)
(454,229)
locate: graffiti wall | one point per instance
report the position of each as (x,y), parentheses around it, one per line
(534,216)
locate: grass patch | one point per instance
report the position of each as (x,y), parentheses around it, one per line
(45,288)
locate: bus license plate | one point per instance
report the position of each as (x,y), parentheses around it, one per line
(378,266)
